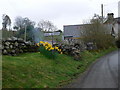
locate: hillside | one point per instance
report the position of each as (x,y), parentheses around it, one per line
(33,70)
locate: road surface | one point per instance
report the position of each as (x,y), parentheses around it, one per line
(102,74)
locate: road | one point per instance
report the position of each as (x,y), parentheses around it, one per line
(102,74)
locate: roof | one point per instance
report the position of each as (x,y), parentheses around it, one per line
(76,25)
(114,20)
(118,20)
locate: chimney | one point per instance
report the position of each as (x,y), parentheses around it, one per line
(110,16)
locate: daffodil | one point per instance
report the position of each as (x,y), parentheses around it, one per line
(61,53)
(52,48)
(56,47)
(49,47)
(38,44)
(41,42)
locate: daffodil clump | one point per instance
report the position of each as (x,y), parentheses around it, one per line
(49,47)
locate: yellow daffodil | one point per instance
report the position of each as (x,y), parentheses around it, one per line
(56,47)
(49,47)
(41,42)
(37,44)
(52,48)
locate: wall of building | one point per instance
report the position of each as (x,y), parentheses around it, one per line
(116,29)
(72,33)
(72,30)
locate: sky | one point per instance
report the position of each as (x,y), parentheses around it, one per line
(60,12)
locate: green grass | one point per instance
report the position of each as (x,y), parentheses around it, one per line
(34,70)
(48,54)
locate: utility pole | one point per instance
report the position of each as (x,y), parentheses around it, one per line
(52,38)
(25,28)
(102,12)
(25,34)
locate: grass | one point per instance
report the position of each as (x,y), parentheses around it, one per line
(34,70)
(48,54)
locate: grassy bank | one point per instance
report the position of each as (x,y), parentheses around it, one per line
(33,70)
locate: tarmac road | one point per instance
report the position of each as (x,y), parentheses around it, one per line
(102,74)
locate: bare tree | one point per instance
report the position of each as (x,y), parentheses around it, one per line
(46,25)
(19,23)
(6,22)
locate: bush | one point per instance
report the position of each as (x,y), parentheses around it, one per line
(48,54)
(118,43)
(48,50)
(98,33)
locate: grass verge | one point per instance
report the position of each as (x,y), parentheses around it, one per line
(34,70)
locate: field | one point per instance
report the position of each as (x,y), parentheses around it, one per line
(33,70)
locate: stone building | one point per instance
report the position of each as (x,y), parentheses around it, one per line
(72,32)
(113,24)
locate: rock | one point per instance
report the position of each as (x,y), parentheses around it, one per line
(14,46)
(4,51)
(72,50)
(13,38)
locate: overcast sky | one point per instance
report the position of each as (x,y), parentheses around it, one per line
(60,12)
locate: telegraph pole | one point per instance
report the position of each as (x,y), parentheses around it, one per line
(25,34)
(25,28)
(102,12)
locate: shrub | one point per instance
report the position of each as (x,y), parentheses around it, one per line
(118,43)
(46,49)
(47,54)
(98,33)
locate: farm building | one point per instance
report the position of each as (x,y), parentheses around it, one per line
(72,32)
(113,24)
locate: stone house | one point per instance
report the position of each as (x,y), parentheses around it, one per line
(72,32)
(113,24)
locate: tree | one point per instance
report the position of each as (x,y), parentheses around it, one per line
(19,23)
(96,32)
(6,22)
(46,26)
(24,23)
(15,27)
